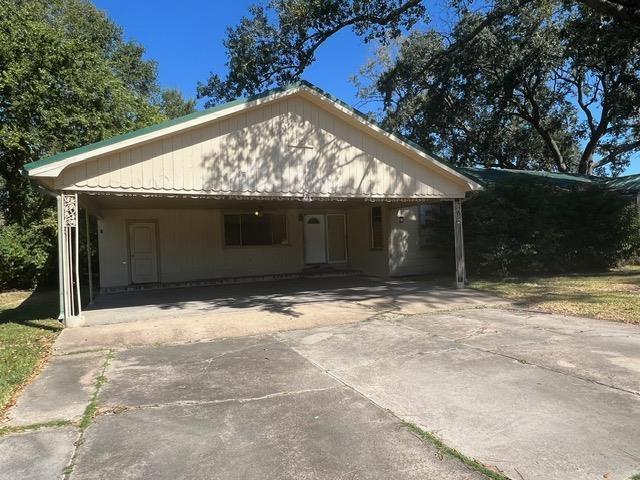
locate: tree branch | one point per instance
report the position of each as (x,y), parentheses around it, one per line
(615,152)
(625,11)
(321,37)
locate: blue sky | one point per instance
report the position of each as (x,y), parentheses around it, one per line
(185,38)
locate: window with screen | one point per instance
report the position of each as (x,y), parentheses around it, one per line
(247,229)
(376,228)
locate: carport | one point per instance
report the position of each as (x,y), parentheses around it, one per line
(277,185)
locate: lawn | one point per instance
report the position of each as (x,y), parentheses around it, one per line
(27,331)
(609,296)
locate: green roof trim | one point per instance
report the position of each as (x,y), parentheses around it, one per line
(176,121)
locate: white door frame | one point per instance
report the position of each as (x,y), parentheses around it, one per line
(157,234)
(305,217)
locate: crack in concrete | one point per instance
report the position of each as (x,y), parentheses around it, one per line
(100,380)
(118,409)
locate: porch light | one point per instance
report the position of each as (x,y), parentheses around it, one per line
(258,212)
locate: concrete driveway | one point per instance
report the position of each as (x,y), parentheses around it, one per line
(535,396)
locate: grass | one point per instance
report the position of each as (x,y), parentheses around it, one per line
(452,452)
(92,408)
(27,331)
(34,426)
(608,296)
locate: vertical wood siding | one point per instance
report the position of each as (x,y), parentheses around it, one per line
(289,147)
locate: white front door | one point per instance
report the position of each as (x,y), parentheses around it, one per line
(143,253)
(315,250)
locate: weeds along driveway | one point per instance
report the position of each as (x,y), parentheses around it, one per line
(536,396)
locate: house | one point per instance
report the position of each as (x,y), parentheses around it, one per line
(276,184)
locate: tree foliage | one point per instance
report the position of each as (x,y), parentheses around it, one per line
(276,43)
(527,226)
(67,78)
(549,88)
(544,84)
(25,252)
(172,104)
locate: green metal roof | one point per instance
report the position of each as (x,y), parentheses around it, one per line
(628,183)
(485,176)
(492,175)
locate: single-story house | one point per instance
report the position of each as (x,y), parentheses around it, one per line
(282,183)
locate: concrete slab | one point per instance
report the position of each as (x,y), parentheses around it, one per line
(160,316)
(604,352)
(234,368)
(531,422)
(282,297)
(60,392)
(190,327)
(37,454)
(329,434)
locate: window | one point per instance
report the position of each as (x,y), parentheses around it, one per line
(247,229)
(376,228)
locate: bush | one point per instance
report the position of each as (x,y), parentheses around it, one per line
(529,226)
(27,253)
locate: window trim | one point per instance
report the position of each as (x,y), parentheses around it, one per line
(239,213)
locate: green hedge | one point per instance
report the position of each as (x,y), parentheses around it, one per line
(529,226)
(27,253)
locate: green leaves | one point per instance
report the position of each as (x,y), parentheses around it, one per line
(68,79)
(274,45)
(529,226)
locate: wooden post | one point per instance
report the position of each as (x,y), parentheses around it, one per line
(461,274)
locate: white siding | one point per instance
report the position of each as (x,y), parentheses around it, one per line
(191,246)
(285,148)
(361,256)
(406,255)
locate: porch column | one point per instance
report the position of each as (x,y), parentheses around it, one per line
(69,259)
(461,274)
(88,247)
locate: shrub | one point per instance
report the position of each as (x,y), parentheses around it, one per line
(530,226)
(27,253)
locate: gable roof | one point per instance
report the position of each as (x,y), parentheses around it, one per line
(51,166)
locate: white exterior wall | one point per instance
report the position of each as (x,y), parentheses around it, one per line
(406,255)
(361,256)
(191,246)
(285,148)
